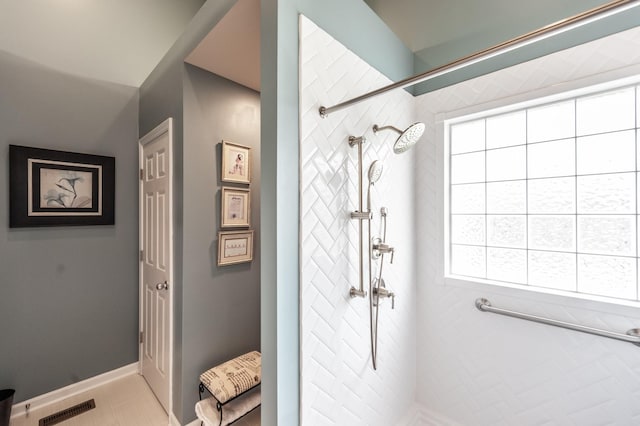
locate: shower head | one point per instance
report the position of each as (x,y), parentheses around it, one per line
(375,171)
(407,138)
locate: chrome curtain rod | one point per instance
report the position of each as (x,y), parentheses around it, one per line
(632,336)
(606,9)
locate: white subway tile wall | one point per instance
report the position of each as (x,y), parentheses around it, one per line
(338,383)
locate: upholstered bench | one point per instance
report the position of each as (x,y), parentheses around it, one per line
(234,389)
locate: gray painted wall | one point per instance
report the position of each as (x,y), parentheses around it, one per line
(221,305)
(68,295)
(217,310)
(161,96)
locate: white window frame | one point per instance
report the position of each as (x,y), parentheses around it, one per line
(568,90)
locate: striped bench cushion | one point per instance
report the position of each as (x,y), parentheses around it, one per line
(230,379)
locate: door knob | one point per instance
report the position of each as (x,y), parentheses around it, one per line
(162,286)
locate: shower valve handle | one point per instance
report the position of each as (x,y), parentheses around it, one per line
(381,291)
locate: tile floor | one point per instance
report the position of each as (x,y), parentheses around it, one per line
(124,402)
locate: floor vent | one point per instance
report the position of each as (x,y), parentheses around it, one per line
(67,413)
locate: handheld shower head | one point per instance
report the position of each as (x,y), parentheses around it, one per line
(407,138)
(375,171)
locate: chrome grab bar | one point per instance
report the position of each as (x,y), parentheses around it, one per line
(632,335)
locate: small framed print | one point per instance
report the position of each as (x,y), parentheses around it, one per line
(58,188)
(235,207)
(235,247)
(236,163)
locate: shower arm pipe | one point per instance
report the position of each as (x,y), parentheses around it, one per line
(575,21)
(632,335)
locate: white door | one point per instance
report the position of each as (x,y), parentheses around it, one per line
(156,260)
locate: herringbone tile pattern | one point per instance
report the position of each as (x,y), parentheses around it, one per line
(339,385)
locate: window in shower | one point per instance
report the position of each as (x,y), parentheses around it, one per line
(546,196)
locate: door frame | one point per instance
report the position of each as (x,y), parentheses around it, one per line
(165,127)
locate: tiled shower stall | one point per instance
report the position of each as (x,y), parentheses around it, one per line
(440,360)
(339,385)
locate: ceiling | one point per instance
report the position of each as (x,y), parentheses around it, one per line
(435,30)
(232,48)
(440,31)
(119,41)
(123,40)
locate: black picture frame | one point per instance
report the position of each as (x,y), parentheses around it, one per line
(59,188)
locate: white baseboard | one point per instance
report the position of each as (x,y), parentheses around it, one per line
(19,408)
(196,422)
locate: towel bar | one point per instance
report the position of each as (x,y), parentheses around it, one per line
(632,335)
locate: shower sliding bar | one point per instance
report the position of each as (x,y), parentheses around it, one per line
(590,15)
(632,336)
(360,215)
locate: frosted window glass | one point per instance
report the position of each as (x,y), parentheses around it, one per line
(552,270)
(506,163)
(552,196)
(508,265)
(468,260)
(507,197)
(549,122)
(467,137)
(468,229)
(552,233)
(507,130)
(614,193)
(467,168)
(607,276)
(606,153)
(552,159)
(607,235)
(467,198)
(606,112)
(507,231)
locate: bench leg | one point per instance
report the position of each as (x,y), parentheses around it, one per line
(219,407)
